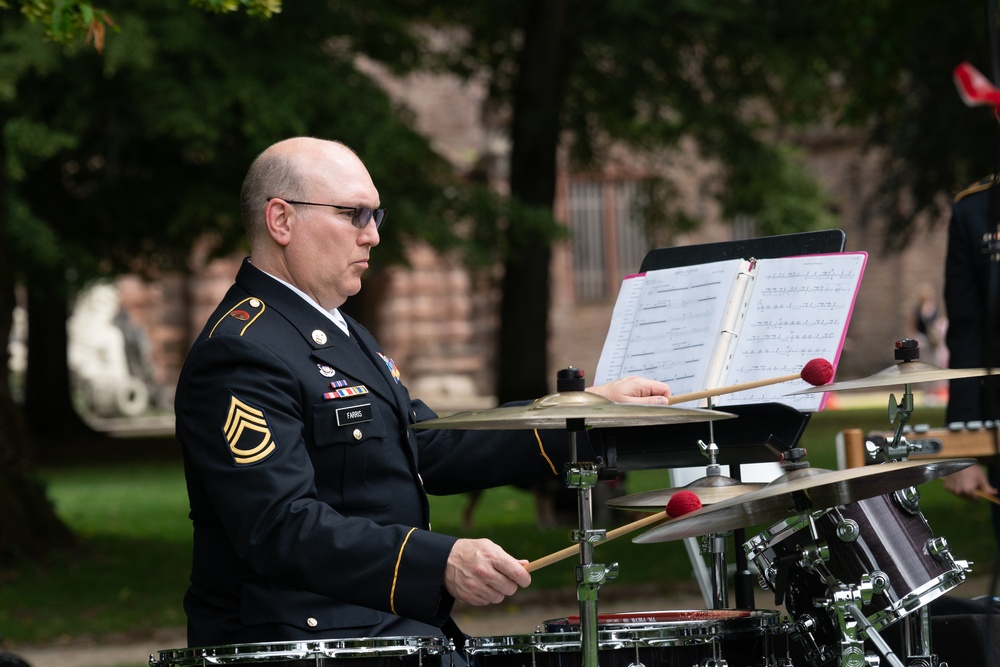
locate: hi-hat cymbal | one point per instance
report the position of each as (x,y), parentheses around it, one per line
(554,410)
(800,492)
(905,372)
(710,490)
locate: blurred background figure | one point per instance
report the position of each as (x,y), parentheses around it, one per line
(928,325)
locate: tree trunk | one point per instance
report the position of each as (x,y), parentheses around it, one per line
(48,402)
(523,347)
(29,526)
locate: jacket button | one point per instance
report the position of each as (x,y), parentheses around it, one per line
(312,622)
(357,434)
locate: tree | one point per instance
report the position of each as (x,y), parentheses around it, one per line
(741,79)
(589,73)
(118,161)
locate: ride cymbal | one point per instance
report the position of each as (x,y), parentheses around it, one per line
(710,490)
(555,410)
(799,492)
(905,372)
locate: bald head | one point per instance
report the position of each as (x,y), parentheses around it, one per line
(288,169)
(298,203)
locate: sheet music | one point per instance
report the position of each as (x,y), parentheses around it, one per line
(695,327)
(665,324)
(798,312)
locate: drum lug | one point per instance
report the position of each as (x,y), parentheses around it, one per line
(908,499)
(848,530)
(939,548)
(875,583)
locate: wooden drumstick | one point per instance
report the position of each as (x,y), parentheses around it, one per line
(988,496)
(688,502)
(817,372)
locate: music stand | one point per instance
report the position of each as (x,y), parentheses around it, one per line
(761,431)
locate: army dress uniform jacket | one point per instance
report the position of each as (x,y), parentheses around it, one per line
(966,292)
(966,298)
(307,485)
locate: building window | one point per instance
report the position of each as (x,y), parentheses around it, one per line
(608,235)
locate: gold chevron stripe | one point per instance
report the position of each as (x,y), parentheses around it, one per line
(246,422)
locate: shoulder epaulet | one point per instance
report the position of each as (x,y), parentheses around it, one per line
(978,186)
(239,318)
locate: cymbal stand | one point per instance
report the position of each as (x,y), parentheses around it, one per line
(742,578)
(715,544)
(906,350)
(589,575)
(916,627)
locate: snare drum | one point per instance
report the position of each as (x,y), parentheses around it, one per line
(361,652)
(884,540)
(698,638)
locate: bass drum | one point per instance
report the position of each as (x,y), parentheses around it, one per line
(693,638)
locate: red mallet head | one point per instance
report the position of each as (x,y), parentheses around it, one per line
(682,502)
(817,372)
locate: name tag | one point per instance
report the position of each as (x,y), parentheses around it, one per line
(355,414)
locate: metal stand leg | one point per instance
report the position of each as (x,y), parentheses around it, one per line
(701,572)
(590,575)
(917,637)
(720,572)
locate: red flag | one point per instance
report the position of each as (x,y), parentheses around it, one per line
(974,88)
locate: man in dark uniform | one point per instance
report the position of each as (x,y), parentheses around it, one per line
(307,485)
(973,340)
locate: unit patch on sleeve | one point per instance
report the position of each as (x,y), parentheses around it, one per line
(247,433)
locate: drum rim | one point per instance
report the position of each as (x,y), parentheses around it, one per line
(685,632)
(303,649)
(917,598)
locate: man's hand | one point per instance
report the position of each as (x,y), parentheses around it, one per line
(966,482)
(634,389)
(479,573)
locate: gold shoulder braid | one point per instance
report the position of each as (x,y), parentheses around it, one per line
(978,186)
(239,318)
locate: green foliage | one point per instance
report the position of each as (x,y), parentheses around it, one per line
(138,152)
(69,21)
(895,79)
(648,73)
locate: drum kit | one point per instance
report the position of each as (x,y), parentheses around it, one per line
(847,553)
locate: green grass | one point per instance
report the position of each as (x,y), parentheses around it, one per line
(129,572)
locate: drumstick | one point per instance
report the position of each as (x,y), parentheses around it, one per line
(988,496)
(817,372)
(687,501)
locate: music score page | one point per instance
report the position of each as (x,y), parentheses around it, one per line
(722,323)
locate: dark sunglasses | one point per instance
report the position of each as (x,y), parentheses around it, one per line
(360,215)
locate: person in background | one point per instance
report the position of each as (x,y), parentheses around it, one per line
(973,307)
(307,485)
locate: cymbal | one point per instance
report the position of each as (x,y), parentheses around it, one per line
(799,492)
(905,372)
(554,410)
(710,490)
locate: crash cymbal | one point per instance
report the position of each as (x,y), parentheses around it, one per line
(905,372)
(554,410)
(799,492)
(710,490)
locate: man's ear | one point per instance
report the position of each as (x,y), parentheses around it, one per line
(278,218)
